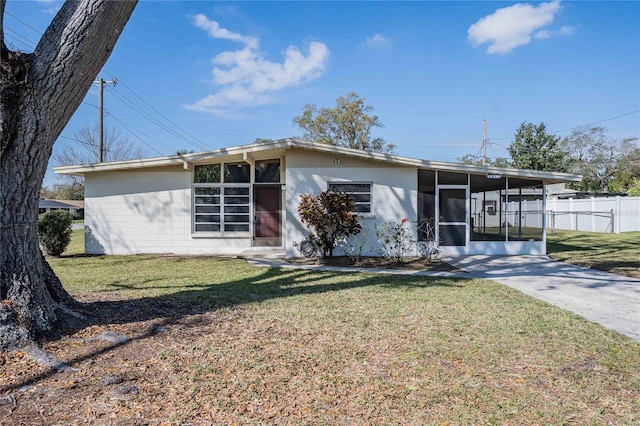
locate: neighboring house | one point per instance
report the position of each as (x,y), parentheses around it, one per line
(75,207)
(243,198)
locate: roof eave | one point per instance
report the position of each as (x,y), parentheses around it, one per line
(186,159)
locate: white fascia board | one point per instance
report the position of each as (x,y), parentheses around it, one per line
(172,160)
(201,157)
(438,165)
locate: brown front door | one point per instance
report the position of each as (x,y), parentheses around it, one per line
(266,225)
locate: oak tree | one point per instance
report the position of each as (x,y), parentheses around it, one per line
(602,162)
(39,92)
(348,124)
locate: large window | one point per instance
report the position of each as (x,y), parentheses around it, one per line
(221,207)
(360,191)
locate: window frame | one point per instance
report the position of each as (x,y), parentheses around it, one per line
(223,206)
(370,193)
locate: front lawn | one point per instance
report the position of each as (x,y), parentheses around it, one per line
(219,341)
(616,253)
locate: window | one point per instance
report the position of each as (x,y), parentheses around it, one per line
(209,173)
(221,207)
(489,206)
(237,173)
(361,193)
(268,171)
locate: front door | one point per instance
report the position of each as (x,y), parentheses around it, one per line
(452,212)
(266,224)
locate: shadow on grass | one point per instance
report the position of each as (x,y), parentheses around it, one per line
(272,283)
(194,299)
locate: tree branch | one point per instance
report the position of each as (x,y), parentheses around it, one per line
(71,52)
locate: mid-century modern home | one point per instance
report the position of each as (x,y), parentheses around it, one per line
(245,199)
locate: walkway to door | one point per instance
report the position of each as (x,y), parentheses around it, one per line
(608,299)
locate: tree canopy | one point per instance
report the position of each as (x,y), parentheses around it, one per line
(348,124)
(476,160)
(87,149)
(535,149)
(605,164)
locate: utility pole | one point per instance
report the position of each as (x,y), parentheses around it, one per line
(100,82)
(484,142)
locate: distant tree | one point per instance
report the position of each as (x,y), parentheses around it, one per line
(184,151)
(602,162)
(627,174)
(45,192)
(73,189)
(348,125)
(534,149)
(476,160)
(87,148)
(634,188)
(87,151)
(471,159)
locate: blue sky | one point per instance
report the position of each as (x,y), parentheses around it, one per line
(230,72)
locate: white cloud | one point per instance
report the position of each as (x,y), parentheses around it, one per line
(215,31)
(247,78)
(378,41)
(514,26)
(566,30)
(563,31)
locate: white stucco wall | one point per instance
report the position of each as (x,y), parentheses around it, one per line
(146,211)
(394,192)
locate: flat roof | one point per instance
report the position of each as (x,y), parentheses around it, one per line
(277,148)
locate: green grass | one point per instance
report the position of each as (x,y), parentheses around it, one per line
(76,246)
(291,346)
(616,253)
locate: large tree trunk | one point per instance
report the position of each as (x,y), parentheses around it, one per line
(38,94)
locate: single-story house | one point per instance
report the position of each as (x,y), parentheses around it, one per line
(245,198)
(75,207)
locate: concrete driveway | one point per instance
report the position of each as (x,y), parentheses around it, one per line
(608,299)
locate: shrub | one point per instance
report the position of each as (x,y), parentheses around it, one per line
(330,217)
(428,246)
(54,231)
(395,239)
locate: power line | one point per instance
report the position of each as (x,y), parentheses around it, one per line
(198,143)
(597,122)
(138,137)
(122,98)
(580,126)
(17,36)
(23,22)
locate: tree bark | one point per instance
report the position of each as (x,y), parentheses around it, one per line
(39,92)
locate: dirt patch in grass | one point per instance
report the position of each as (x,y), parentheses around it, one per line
(409,263)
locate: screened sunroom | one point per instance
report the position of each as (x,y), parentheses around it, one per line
(488,213)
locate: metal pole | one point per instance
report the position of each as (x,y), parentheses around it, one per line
(100,124)
(484,142)
(101,82)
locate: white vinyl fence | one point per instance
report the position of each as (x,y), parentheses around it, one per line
(602,214)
